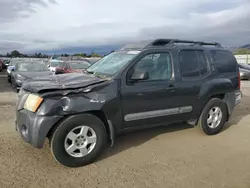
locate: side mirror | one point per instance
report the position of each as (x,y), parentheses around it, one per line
(13,69)
(140,75)
(59,71)
(48,66)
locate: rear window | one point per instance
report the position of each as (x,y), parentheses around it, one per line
(79,65)
(224,60)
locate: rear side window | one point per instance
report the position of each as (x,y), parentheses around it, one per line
(224,60)
(202,63)
(193,63)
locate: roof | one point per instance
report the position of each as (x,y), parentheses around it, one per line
(142,45)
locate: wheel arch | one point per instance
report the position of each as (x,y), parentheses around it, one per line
(98,113)
(227,98)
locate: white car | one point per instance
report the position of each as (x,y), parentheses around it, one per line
(53,64)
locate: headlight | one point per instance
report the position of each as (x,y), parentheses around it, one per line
(20,77)
(33,102)
(242,73)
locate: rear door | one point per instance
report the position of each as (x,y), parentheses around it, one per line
(194,70)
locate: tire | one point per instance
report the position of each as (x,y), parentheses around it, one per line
(60,132)
(14,86)
(203,124)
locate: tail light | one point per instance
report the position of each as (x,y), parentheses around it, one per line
(239,80)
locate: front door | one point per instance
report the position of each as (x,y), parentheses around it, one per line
(155,100)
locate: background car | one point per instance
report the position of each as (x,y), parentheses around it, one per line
(93,60)
(53,63)
(10,67)
(72,66)
(6,63)
(25,71)
(244,71)
(1,65)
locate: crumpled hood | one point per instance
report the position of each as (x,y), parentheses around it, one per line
(61,82)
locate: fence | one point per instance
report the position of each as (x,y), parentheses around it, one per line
(243,58)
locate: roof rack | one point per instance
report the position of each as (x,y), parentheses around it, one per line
(136,46)
(163,42)
(167,42)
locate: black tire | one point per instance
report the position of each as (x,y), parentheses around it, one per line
(202,123)
(14,86)
(60,132)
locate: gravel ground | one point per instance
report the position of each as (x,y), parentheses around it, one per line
(173,156)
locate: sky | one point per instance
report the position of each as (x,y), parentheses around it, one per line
(38,25)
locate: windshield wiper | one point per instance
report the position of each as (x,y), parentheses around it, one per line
(97,74)
(90,72)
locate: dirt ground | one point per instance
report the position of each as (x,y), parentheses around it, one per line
(173,156)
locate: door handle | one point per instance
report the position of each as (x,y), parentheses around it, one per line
(171,88)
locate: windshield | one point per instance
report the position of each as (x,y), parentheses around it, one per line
(79,65)
(55,63)
(112,63)
(13,63)
(31,67)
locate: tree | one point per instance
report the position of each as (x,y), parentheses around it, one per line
(93,54)
(15,53)
(242,51)
(80,54)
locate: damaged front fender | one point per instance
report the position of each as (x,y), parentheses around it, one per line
(102,98)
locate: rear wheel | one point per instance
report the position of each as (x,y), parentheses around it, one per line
(78,140)
(213,117)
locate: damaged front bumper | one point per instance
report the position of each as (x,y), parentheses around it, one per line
(34,128)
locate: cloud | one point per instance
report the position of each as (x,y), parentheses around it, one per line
(48,24)
(14,9)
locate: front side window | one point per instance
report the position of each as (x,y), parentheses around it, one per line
(112,63)
(158,65)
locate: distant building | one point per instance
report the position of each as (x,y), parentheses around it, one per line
(243,58)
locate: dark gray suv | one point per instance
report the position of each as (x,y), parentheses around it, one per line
(143,85)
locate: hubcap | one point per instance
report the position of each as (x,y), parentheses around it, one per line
(80,141)
(214,117)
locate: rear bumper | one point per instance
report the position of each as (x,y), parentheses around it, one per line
(33,128)
(232,99)
(238,96)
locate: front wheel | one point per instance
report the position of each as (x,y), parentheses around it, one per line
(213,117)
(78,140)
